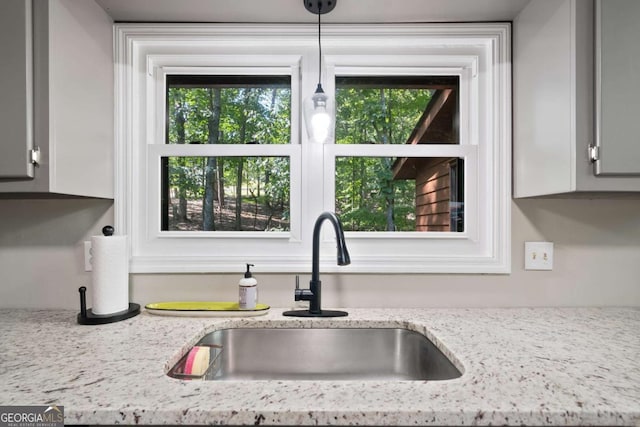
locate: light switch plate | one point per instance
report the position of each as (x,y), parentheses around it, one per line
(538,255)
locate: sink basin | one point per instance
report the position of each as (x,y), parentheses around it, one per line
(314,354)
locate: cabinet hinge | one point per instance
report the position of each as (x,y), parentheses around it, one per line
(35,156)
(594,153)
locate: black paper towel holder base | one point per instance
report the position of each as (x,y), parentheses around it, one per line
(87,317)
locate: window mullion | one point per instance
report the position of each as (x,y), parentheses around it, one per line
(197,150)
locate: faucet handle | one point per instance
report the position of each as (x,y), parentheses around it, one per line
(298,292)
(301,294)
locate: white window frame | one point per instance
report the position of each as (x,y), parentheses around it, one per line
(478,53)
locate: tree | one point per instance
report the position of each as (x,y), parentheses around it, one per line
(367,196)
(216,114)
(211,184)
(387,183)
(180,130)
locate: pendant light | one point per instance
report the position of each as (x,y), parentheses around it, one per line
(318,110)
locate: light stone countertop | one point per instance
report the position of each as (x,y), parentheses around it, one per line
(539,366)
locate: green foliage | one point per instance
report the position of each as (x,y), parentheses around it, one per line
(363,115)
(187,173)
(367,197)
(362,191)
(248,115)
(264,112)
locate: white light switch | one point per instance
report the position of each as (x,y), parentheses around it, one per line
(538,255)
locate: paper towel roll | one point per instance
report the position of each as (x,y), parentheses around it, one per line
(110,291)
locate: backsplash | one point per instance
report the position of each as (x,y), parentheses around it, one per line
(596,263)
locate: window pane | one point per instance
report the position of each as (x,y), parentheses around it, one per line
(225,193)
(397,110)
(228,109)
(400,194)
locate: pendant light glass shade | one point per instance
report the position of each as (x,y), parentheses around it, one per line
(318,110)
(318,115)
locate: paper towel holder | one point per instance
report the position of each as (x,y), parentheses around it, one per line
(87,317)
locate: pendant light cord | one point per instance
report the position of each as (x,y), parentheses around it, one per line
(319,45)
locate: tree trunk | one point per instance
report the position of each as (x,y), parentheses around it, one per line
(220,183)
(208,218)
(239,170)
(213,125)
(182,191)
(239,194)
(255,209)
(389,188)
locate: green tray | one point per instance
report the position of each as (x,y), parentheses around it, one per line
(204,309)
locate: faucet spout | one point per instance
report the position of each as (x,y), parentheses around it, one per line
(313,294)
(343,253)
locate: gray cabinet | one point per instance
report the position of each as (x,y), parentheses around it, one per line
(59,57)
(554,103)
(16,87)
(617,87)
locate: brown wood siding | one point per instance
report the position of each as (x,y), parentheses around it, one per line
(433,196)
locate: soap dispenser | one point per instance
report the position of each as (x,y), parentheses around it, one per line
(248,290)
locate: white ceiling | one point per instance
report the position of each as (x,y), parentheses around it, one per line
(346,11)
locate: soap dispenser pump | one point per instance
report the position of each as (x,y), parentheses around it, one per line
(248,290)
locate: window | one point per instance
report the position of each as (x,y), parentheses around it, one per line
(397,193)
(214,170)
(226,193)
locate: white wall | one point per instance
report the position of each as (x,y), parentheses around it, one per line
(597,262)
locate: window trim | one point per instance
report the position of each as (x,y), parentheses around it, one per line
(482,49)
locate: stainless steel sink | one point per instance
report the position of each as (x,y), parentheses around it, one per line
(315,354)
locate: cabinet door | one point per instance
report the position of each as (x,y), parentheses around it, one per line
(618,87)
(16,89)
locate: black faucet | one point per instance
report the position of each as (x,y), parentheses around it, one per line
(313,294)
